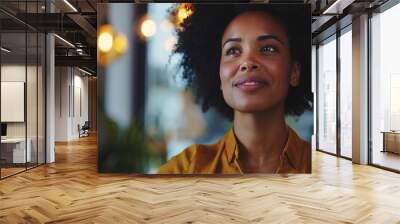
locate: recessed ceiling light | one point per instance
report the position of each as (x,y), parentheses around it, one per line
(70,5)
(64,40)
(84,71)
(337,7)
(5,50)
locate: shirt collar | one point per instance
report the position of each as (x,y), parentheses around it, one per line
(289,153)
(231,146)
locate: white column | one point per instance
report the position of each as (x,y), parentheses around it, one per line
(50,92)
(50,100)
(360,90)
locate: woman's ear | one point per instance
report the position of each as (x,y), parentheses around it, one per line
(294,78)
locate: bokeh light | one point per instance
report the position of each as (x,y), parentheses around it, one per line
(111,45)
(183,11)
(120,44)
(169,44)
(148,28)
(105,39)
(166,25)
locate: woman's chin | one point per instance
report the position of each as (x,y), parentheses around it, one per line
(251,108)
(257,107)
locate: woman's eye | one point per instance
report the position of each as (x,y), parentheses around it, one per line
(268,49)
(232,51)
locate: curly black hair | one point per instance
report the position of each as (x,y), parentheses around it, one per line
(199,43)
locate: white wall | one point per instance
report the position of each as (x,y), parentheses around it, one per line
(71,94)
(81,104)
(61,103)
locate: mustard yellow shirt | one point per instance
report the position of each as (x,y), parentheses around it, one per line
(223,157)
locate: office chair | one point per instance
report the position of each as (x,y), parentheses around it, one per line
(84,130)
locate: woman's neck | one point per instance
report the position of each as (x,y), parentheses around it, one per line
(261,137)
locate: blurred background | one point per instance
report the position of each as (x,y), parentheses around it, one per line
(147,115)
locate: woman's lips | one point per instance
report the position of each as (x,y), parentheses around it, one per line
(250,84)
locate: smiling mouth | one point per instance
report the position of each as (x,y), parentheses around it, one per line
(250,85)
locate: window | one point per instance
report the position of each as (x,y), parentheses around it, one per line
(385,89)
(346,93)
(327,96)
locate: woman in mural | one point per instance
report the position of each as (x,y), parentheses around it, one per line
(250,63)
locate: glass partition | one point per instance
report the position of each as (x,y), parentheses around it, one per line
(14,153)
(22,89)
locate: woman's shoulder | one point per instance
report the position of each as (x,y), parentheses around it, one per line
(190,159)
(297,140)
(299,152)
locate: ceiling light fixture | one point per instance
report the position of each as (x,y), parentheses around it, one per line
(79,51)
(337,7)
(84,71)
(65,41)
(5,50)
(70,5)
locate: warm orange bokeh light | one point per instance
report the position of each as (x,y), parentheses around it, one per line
(120,44)
(166,25)
(169,44)
(183,11)
(111,45)
(148,28)
(105,38)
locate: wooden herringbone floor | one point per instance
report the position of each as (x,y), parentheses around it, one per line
(71,191)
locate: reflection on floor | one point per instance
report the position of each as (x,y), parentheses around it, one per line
(10,169)
(387,159)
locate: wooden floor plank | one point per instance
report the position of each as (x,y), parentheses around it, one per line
(71,191)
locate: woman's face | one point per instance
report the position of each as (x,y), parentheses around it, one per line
(256,67)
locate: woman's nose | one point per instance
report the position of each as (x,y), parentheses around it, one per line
(248,66)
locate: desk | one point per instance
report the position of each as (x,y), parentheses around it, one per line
(16,147)
(391,141)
